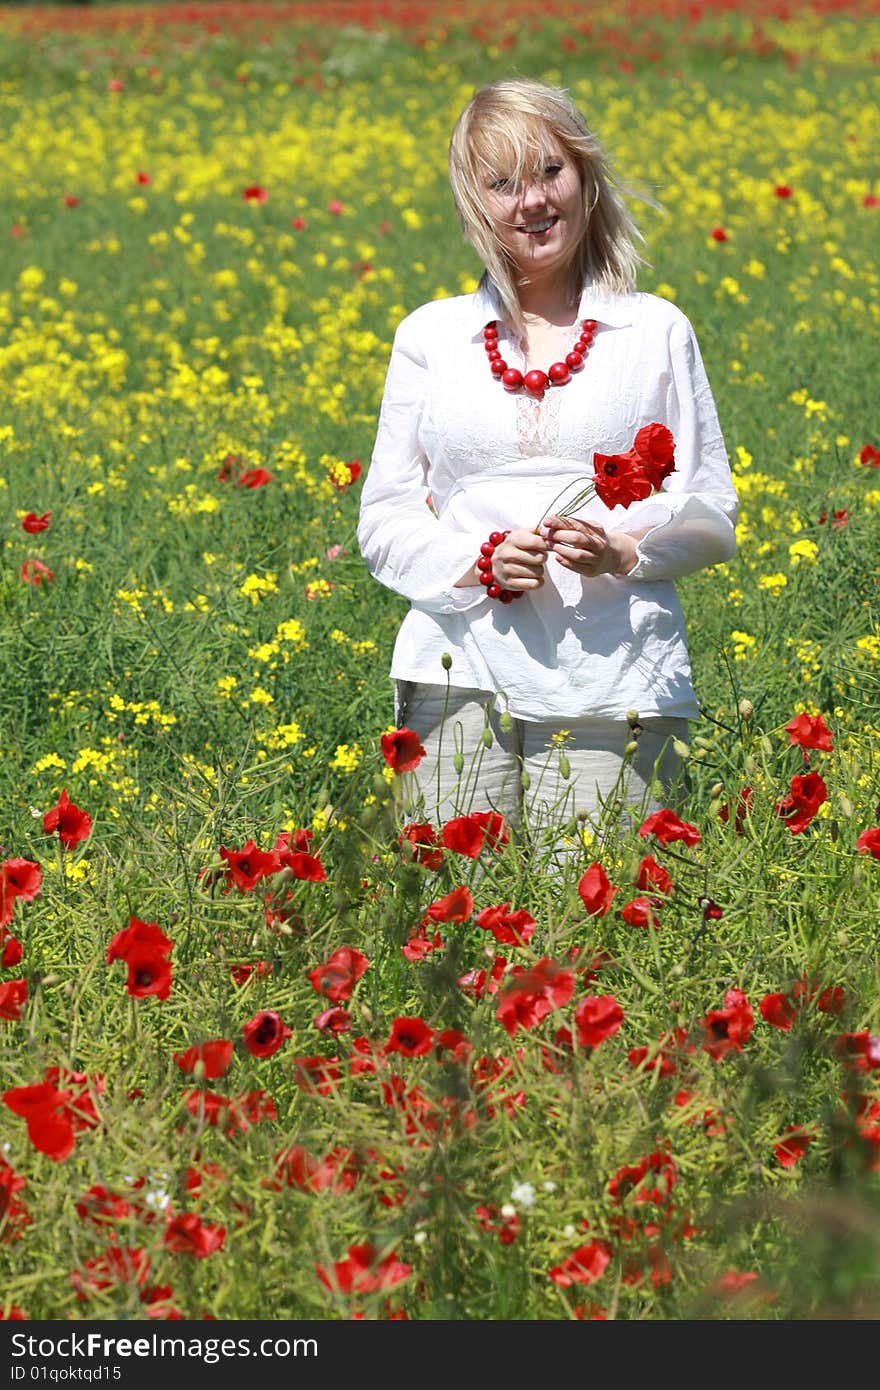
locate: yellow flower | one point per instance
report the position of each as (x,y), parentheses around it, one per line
(803,550)
(775,583)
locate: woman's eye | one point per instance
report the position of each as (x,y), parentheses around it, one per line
(551,170)
(500,185)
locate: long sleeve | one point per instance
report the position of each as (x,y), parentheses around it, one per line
(693,517)
(404,546)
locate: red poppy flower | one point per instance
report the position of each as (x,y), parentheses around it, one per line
(497,833)
(298,224)
(402,750)
(142,178)
(187,1234)
(465,835)
(871,200)
(13,997)
(422,844)
(36,573)
(363,1271)
(719,234)
(119,1265)
(296,1167)
(265,1033)
(336,207)
(412,1037)
(810,731)
(783,190)
(596,891)
(585,1266)
(792,1146)
(70,200)
(743,807)
(339,974)
(255,194)
(597,1018)
(725,1030)
(655,447)
(33,523)
(807,794)
(779,1011)
(144,948)
(508,928)
(317,1075)
(306,867)
(46,1111)
(12,952)
(532,994)
(72,823)
(104,1207)
(255,477)
(667,827)
(642,912)
(868,454)
(651,1180)
(653,876)
(620,479)
(333,1020)
(248,865)
(19,878)
(456,906)
(214,1057)
(869,842)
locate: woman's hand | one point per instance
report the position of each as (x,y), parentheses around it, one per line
(587,548)
(518,562)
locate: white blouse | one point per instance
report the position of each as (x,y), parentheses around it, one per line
(457,456)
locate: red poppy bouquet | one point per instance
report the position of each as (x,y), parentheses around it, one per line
(621,479)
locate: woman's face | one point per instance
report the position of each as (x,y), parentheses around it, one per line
(540,223)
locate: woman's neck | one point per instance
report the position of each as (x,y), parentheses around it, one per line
(547,304)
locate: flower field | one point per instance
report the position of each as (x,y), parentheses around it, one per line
(270,1048)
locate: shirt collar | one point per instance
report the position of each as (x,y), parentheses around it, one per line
(615,310)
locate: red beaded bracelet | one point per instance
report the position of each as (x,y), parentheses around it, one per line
(484,565)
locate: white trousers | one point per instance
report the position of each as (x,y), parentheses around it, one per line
(537,773)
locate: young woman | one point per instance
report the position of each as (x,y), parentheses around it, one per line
(577,644)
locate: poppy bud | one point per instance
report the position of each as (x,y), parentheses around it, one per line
(487,738)
(632,717)
(717,790)
(681,749)
(631,747)
(525,780)
(703,742)
(846,807)
(746,709)
(564,766)
(446,661)
(458,762)
(506,722)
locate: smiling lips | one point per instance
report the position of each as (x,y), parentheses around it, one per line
(538,228)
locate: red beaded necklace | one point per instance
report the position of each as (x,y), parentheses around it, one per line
(536,382)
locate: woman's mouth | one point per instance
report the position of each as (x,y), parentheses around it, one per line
(538,227)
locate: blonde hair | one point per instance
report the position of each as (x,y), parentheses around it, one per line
(509,128)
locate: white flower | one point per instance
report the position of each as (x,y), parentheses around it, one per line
(568,1231)
(508,1211)
(523,1193)
(420,1237)
(549,1185)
